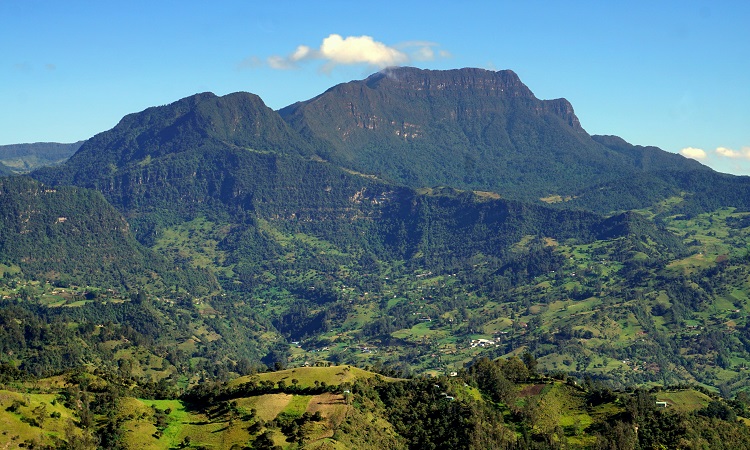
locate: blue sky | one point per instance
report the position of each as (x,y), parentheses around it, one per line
(674,74)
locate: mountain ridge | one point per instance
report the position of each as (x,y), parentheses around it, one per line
(467,128)
(202,120)
(23,158)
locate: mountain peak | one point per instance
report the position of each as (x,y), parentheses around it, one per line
(475,81)
(201,121)
(499,83)
(469,128)
(433,127)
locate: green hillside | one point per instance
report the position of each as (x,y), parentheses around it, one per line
(5,170)
(496,404)
(68,234)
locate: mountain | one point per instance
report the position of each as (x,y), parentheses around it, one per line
(200,122)
(470,129)
(22,158)
(196,158)
(277,231)
(467,128)
(648,158)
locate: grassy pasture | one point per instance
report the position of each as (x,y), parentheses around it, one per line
(20,412)
(306,376)
(684,401)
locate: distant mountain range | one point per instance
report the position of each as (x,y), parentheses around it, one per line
(469,129)
(23,158)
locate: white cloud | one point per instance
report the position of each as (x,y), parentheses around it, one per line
(338,50)
(301,53)
(728,152)
(360,49)
(734,154)
(290,61)
(694,153)
(280,63)
(722,159)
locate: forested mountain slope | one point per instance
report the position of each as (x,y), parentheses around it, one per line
(5,170)
(160,183)
(201,121)
(467,128)
(67,234)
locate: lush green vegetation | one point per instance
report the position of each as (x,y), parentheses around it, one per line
(70,235)
(477,129)
(635,308)
(5,170)
(207,240)
(501,404)
(278,247)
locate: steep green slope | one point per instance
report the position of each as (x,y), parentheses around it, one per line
(73,235)
(200,121)
(699,191)
(5,170)
(467,128)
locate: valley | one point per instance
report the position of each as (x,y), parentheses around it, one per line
(393,231)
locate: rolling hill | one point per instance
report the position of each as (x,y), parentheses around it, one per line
(478,409)
(23,158)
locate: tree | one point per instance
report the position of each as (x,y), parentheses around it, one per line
(514,369)
(530,362)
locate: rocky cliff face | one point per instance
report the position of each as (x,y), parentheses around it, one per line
(470,128)
(403,101)
(503,83)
